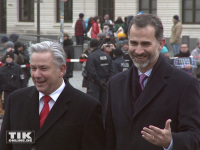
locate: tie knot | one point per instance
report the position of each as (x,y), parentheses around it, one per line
(46,98)
(142,78)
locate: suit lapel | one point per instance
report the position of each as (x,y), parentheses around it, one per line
(127,92)
(59,108)
(156,82)
(32,105)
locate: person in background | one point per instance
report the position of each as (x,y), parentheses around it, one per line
(18,58)
(108,49)
(119,26)
(129,18)
(84,55)
(11,78)
(165,52)
(119,44)
(52,109)
(184,61)
(14,37)
(125,50)
(196,55)
(121,36)
(99,70)
(107,25)
(95,27)
(80,30)
(108,38)
(22,51)
(175,37)
(152,105)
(4,40)
(119,64)
(69,50)
(100,37)
(89,28)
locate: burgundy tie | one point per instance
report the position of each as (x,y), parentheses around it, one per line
(45,109)
(142,78)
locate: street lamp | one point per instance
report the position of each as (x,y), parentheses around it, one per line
(62,20)
(38,21)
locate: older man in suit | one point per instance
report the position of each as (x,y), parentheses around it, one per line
(61,116)
(152,106)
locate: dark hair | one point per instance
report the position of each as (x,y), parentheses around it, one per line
(96,18)
(81,15)
(14,37)
(176,17)
(94,43)
(4,39)
(19,44)
(117,52)
(10,55)
(144,20)
(119,20)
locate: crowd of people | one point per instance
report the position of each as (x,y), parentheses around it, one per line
(138,98)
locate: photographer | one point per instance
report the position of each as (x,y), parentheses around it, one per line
(18,58)
(108,48)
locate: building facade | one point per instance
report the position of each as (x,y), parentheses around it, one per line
(21,15)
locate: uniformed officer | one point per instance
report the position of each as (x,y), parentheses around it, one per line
(11,77)
(119,64)
(99,69)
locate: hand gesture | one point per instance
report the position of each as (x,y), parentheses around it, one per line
(157,136)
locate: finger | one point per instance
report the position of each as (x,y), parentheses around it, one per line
(147,136)
(155,129)
(147,130)
(167,125)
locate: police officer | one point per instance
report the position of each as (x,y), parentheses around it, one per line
(99,69)
(11,77)
(119,64)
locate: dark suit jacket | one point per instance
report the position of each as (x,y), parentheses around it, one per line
(74,122)
(169,94)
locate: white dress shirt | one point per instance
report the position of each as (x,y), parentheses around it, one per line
(54,96)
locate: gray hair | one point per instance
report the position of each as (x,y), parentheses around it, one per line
(144,20)
(53,47)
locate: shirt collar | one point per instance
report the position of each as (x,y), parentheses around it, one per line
(147,73)
(54,96)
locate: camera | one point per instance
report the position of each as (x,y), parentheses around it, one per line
(107,45)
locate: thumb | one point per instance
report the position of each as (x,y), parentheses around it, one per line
(167,125)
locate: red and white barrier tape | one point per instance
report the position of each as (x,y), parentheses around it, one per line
(80,60)
(76,60)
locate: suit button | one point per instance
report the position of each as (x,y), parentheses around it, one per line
(33,148)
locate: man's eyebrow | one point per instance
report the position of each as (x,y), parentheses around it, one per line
(133,42)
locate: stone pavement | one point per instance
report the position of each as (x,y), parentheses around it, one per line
(76,82)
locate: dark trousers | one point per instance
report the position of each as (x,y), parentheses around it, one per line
(100,94)
(79,40)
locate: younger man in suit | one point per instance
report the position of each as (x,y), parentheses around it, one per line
(60,116)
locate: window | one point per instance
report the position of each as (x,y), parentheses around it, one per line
(3,16)
(148,6)
(106,7)
(191,11)
(68,7)
(26,10)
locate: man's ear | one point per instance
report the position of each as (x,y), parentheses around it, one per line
(62,70)
(161,44)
